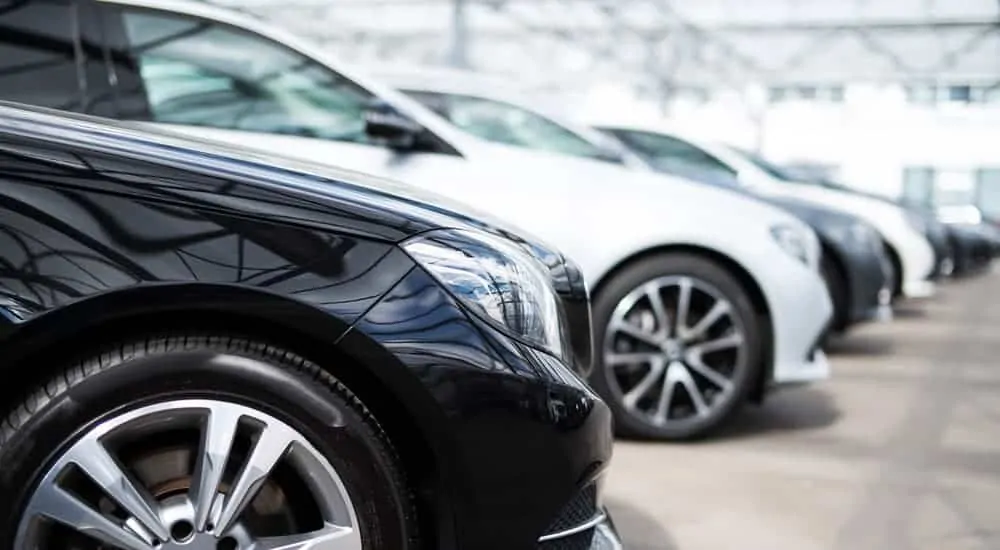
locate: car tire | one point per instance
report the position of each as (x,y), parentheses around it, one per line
(274,396)
(895,272)
(623,298)
(836,285)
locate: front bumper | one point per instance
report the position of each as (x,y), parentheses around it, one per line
(919,289)
(918,262)
(869,274)
(597,533)
(801,313)
(515,434)
(944,255)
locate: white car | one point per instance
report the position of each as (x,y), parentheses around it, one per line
(912,255)
(702,298)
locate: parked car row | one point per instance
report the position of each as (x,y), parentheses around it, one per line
(256,299)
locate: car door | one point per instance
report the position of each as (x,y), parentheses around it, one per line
(212,79)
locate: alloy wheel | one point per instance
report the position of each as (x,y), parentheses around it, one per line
(190,475)
(673,351)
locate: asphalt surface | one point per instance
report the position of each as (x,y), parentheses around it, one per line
(899,450)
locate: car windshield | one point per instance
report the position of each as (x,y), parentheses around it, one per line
(670,155)
(766,166)
(501,122)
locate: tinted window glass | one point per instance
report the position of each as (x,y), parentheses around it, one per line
(38,55)
(673,156)
(501,122)
(201,73)
(435,102)
(767,166)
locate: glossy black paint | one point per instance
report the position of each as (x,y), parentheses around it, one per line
(107,231)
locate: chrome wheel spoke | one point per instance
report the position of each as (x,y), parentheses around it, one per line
(217,441)
(271,446)
(635,332)
(659,311)
(662,414)
(633,396)
(731,340)
(691,387)
(683,305)
(631,358)
(330,538)
(713,376)
(91,489)
(55,504)
(91,457)
(686,381)
(720,308)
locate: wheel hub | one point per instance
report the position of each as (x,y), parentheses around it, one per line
(673,350)
(178,514)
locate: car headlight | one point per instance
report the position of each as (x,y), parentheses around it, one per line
(497,279)
(792,240)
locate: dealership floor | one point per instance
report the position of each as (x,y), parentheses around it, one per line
(899,450)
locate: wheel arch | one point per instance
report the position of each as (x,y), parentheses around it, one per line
(833,255)
(746,280)
(35,349)
(897,267)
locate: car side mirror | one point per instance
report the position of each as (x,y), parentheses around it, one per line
(387,126)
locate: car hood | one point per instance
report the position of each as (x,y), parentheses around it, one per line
(813,213)
(303,174)
(296,189)
(870,209)
(584,185)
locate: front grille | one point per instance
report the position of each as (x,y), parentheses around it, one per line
(581,509)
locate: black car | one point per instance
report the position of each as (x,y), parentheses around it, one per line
(203,347)
(961,248)
(855,264)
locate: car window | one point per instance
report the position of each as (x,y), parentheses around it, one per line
(38,54)
(435,102)
(502,122)
(202,73)
(674,156)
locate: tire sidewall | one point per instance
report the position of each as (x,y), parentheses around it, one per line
(321,415)
(643,271)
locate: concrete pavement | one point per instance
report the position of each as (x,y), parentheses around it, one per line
(900,450)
